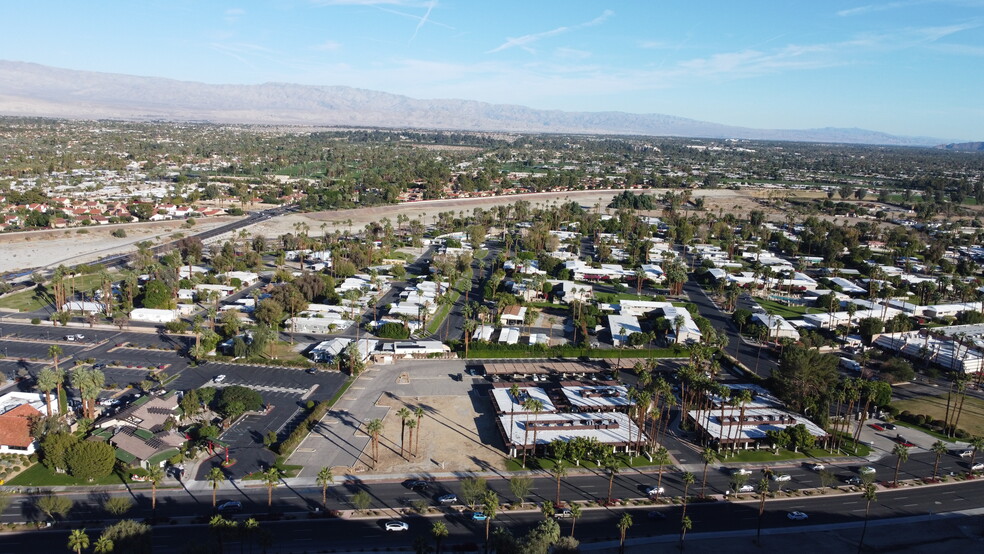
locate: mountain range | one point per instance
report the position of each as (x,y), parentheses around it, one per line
(28,89)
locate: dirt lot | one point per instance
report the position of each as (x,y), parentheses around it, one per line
(454,436)
(971,419)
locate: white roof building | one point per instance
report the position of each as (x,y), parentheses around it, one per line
(153,315)
(688,332)
(506,403)
(509,335)
(621,326)
(778,327)
(587,398)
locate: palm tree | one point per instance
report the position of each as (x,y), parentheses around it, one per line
(514,393)
(419,413)
(611,465)
(938,448)
(688,479)
(411,425)
(560,471)
(324,479)
(575,513)
(901,452)
(103,545)
(214,477)
(46,382)
(440,532)
(685,525)
(271,478)
(763,489)
(534,406)
(623,527)
(54,351)
(707,455)
(490,507)
(78,540)
(404,415)
(374,428)
(870,496)
(661,457)
(977,444)
(155,475)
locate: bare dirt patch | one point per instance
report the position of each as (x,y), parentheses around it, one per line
(454,436)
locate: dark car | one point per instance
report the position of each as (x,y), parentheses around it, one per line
(233,506)
(416,485)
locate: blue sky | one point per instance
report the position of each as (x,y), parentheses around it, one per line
(913,67)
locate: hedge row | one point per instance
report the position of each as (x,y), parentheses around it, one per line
(295,437)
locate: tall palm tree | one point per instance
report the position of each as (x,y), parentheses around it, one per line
(869,496)
(976,444)
(707,456)
(440,532)
(901,453)
(575,513)
(560,471)
(411,425)
(46,382)
(54,352)
(514,393)
(155,474)
(78,540)
(688,479)
(271,478)
(325,478)
(532,406)
(374,428)
(418,412)
(611,465)
(938,448)
(490,507)
(763,490)
(214,477)
(623,527)
(404,415)
(685,525)
(661,457)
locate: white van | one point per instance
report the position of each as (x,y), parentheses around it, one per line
(850,364)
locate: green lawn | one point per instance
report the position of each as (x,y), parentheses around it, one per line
(547,464)
(613,298)
(788,312)
(971,418)
(40,476)
(766,455)
(435,323)
(476,352)
(24,301)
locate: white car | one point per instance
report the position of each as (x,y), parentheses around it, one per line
(746,488)
(867,470)
(818,467)
(966,454)
(780,477)
(979,466)
(218,378)
(741,471)
(396,525)
(796,516)
(654,491)
(447,499)
(563,513)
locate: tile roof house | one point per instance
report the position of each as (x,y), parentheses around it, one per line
(15,430)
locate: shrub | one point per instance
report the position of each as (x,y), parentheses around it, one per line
(35,321)
(295,437)
(920,419)
(90,460)
(119,233)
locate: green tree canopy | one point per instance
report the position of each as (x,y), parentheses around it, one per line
(235,400)
(90,460)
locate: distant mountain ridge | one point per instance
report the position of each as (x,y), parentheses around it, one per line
(28,89)
(964,146)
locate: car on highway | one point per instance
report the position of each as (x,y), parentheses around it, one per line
(818,467)
(230,507)
(903,441)
(876,427)
(867,470)
(797,516)
(218,378)
(397,525)
(966,453)
(780,477)
(563,513)
(854,481)
(416,485)
(741,471)
(479,516)
(447,499)
(979,466)
(655,491)
(890,426)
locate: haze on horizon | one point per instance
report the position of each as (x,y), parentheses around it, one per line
(905,67)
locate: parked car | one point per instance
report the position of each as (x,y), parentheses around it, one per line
(876,427)
(396,525)
(890,426)
(218,378)
(797,516)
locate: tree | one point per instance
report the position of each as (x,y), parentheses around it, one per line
(215,476)
(685,525)
(472,489)
(688,479)
(806,378)
(361,500)
(90,460)
(271,478)
(374,428)
(901,452)
(623,527)
(440,532)
(661,457)
(869,496)
(157,295)
(938,448)
(490,507)
(78,540)
(404,415)
(118,505)
(129,536)
(520,487)
(575,513)
(46,382)
(324,479)
(418,412)
(611,464)
(155,474)
(103,545)
(707,456)
(269,312)
(976,445)
(763,490)
(53,505)
(236,400)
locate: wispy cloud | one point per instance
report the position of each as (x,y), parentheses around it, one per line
(232,15)
(525,41)
(405,3)
(572,53)
(423,20)
(327,46)
(871,8)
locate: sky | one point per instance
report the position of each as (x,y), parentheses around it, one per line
(906,67)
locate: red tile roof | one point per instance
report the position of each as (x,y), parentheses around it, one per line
(15,426)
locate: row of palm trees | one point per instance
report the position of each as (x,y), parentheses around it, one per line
(89,382)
